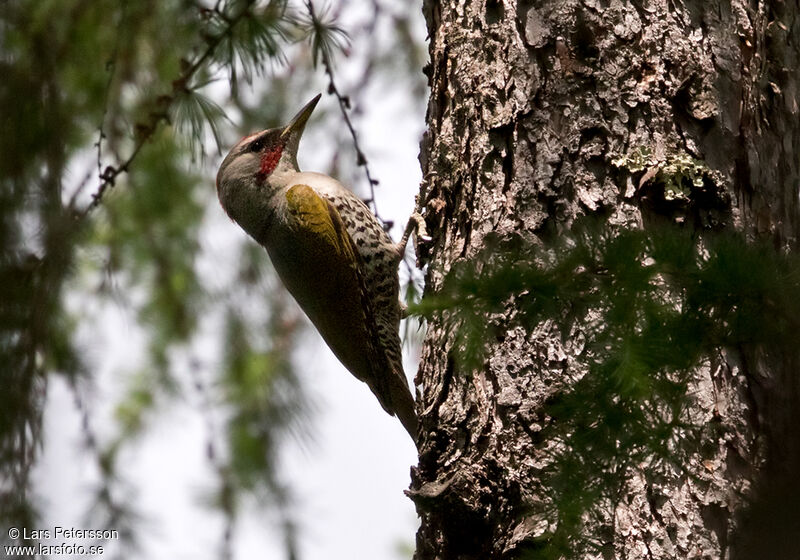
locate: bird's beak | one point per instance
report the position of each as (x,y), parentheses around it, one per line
(298,123)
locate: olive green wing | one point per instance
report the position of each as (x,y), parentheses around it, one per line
(314,215)
(344,317)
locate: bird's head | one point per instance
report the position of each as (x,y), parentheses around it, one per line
(258,162)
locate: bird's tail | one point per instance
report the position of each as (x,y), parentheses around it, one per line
(403,403)
(391,388)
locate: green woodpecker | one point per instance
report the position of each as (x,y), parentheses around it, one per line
(329,250)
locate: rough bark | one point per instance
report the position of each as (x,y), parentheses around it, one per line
(537,111)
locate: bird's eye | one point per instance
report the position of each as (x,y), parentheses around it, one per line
(256,145)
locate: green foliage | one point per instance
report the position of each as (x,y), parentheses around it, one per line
(326,36)
(259,39)
(653,305)
(139,400)
(193,111)
(412,327)
(265,397)
(151,233)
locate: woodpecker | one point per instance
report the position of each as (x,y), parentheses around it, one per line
(330,252)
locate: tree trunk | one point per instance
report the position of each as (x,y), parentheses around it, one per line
(543,112)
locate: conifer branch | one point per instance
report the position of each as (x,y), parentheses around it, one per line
(318,28)
(145,131)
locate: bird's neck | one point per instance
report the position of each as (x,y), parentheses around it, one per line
(284,171)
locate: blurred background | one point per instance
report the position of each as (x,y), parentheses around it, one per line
(157,379)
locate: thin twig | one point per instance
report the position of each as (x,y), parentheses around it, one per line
(344,105)
(111,67)
(146,131)
(87,177)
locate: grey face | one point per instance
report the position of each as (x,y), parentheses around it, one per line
(252,156)
(255,157)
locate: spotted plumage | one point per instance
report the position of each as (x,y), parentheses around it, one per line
(331,253)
